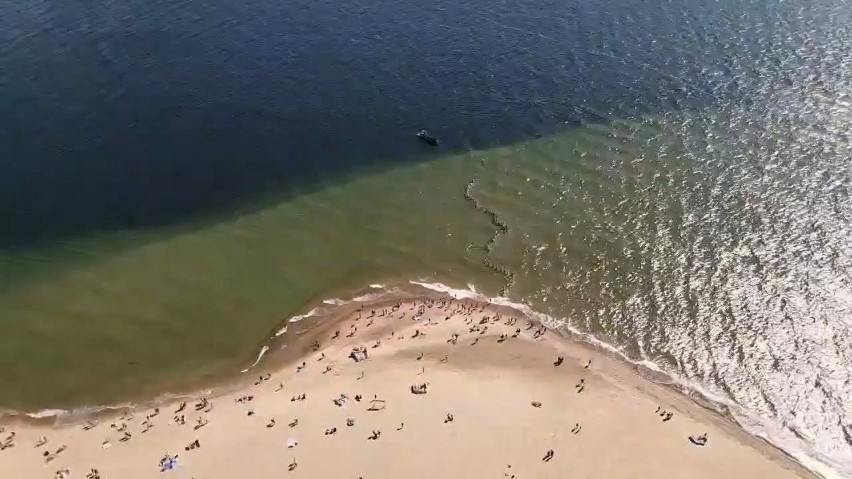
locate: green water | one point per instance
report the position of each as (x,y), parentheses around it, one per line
(115,318)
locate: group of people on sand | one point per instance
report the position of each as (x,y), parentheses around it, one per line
(666,415)
(477,326)
(168,462)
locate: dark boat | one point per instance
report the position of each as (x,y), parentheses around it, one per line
(423,135)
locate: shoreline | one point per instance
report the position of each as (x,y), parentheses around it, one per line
(294,344)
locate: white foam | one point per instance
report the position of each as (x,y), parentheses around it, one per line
(366,298)
(299,317)
(263,351)
(48,413)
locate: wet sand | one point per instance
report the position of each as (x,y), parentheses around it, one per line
(422,389)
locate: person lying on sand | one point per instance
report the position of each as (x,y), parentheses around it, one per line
(330,431)
(449,418)
(336,334)
(294,423)
(168,463)
(41,441)
(200,423)
(401,425)
(193,445)
(444,359)
(181,408)
(576,428)
(374,436)
(93,474)
(271,423)
(699,440)
(350,422)
(547,456)
(419,388)
(517,333)
(668,417)
(502,338)
(292,465)
(536,404)
(127,436)
(328,369)
(558,362)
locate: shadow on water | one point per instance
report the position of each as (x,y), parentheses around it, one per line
(137,117)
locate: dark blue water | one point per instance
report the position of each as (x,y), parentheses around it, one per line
(127,114)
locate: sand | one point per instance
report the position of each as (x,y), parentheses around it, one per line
(598,416)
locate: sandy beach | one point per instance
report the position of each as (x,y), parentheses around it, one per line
(421,389)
